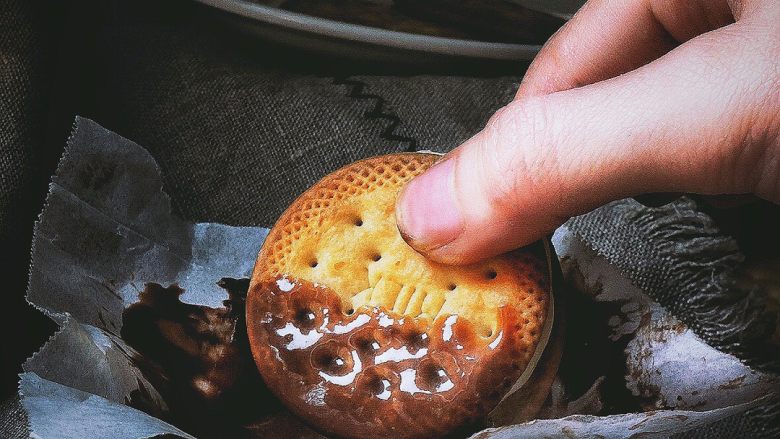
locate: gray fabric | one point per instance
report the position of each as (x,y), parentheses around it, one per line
(440,113)
(207,108)
(738,426)
(229,119)
(25,165)
(13,419)
(22,107)
(679,257)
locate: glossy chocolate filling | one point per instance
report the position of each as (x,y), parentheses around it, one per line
(373,373)
(198,358)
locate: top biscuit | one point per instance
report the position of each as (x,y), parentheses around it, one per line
(340,238)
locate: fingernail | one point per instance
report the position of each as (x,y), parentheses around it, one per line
(427,212)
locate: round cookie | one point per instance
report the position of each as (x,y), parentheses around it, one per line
(361,336)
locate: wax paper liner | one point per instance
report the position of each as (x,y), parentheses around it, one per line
(107,229)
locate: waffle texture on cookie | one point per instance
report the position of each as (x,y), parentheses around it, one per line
(362,336)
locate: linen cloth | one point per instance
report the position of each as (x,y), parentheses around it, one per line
(229,118)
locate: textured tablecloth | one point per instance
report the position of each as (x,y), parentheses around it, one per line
(229,118)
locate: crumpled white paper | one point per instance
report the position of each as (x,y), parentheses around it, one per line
(107,229)
(67,412)
(645,425)
(668,365)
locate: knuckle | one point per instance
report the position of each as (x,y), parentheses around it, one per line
(766,138)
(748,71)
(518,151)
(519,123)
(768,183)
(760,123)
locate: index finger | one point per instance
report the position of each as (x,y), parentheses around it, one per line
(607,38)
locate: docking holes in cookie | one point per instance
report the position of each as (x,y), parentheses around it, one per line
(362,336)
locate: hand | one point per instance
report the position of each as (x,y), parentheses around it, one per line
(629,97)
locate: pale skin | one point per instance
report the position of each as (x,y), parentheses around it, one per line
(629,97)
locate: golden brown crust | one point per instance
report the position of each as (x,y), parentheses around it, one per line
(335,266)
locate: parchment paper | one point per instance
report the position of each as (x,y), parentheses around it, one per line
(107,230)
(668,366)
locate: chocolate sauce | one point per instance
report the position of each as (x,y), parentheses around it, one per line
(198,358)
(373,373)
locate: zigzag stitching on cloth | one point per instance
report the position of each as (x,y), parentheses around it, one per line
(357,91)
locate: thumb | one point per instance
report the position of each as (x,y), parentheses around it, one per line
(661,128)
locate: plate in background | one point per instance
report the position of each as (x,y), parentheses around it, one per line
(360,41)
